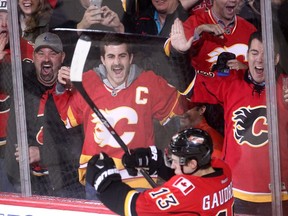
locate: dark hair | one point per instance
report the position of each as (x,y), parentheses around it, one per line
(114,39)
(258,35)
(255,35)
(214,115)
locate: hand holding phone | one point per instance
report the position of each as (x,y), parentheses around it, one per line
(97,3)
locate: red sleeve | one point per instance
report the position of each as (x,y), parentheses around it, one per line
(189,26)
(4,113)
(214,90)
(167,101)
(205,90)
(67,106)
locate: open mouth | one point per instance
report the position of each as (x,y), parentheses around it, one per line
(118,70)
(27,7)
(46,69)
(230,9)
(27,4)
(259,70)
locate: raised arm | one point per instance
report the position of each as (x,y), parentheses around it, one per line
(189,4)
(178,38)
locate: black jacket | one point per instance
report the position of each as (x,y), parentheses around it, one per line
(146,25)
(61,148)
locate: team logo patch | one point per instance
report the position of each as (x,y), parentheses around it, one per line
(238,49)
(250,126)
(184,185)
(115,116)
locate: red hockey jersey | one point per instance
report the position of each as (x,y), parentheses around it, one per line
(4,113)
(205,51)
(130,112)
(188,195)
(246,147)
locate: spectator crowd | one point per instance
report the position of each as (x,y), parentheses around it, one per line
(182,84)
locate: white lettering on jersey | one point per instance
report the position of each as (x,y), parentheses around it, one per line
(154,153)
(218,198)
(164,199)
(140,91)
(184,185)
(103,137)
(237,49)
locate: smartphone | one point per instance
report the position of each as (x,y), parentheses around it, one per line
(97,3)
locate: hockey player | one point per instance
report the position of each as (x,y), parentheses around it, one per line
(200,115)
(200,186)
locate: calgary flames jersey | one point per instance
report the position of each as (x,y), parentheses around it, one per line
(181,195)
(208,47)
(129,111)
(204,52)
(246,147)
(4,113)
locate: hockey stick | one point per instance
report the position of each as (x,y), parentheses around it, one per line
(78,61)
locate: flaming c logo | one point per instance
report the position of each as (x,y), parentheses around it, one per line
(250,126)
(101,134)
(238,49)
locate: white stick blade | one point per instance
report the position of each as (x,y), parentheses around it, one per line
(79,58)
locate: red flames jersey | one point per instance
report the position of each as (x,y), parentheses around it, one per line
(208,47)
(246,147)
(129,111)
(188,195)
(4,113)
(27,50)
(26,53)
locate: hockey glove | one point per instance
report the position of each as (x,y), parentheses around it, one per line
(101,172)
(143,157)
